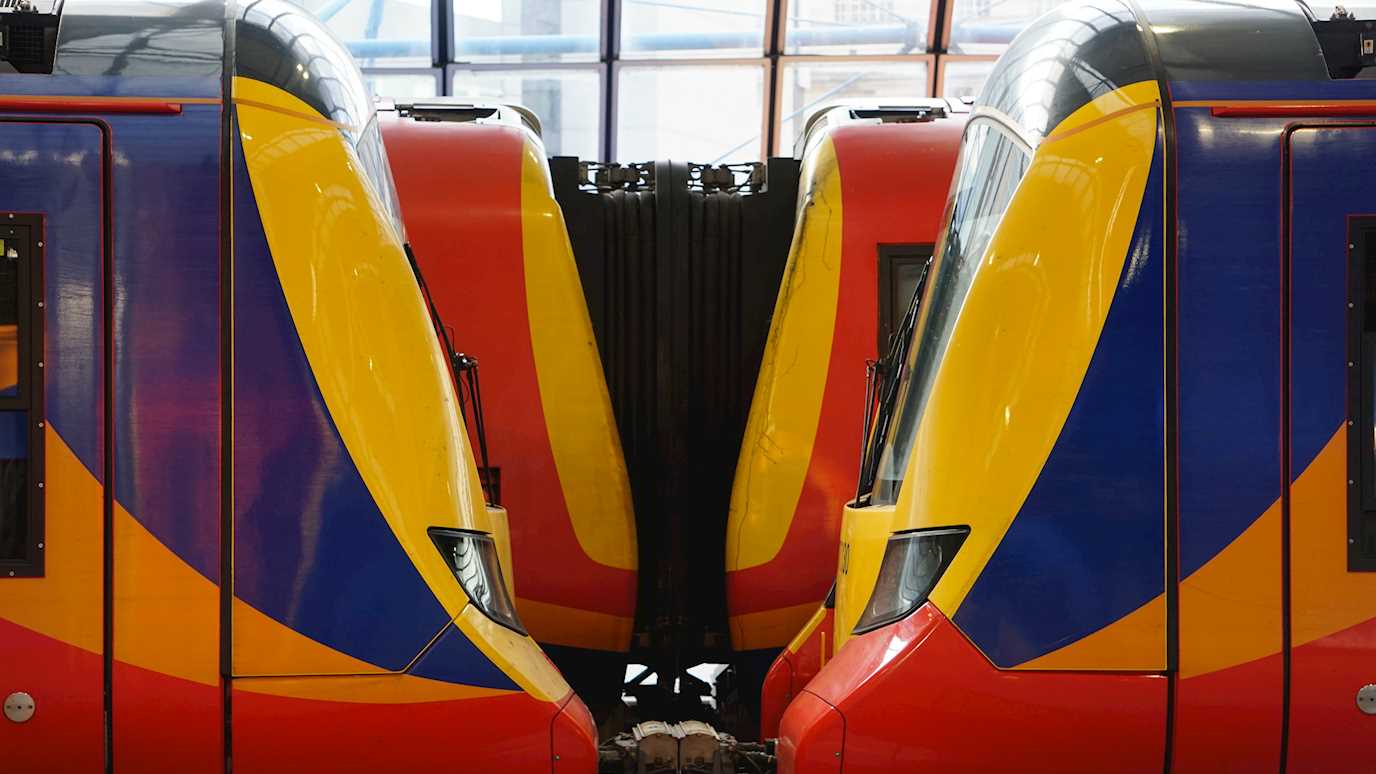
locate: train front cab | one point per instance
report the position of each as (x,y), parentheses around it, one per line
(1122,520)
(859,248)
(239,516)
(476,195)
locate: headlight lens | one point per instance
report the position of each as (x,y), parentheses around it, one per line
(913,563)
(473,558)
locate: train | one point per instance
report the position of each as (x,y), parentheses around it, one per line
(1122,514)
(859,251)
(242,524)
(477,199)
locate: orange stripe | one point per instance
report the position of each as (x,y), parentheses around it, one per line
(1281,108)
(50,103)
(1100,120)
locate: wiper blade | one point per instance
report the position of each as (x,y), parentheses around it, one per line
(882,380)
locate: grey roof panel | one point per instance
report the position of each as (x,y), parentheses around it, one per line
(180,38)
(1256,40)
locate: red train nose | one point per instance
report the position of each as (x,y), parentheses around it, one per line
(812,735)
(573,739)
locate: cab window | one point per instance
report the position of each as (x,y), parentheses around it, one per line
(992,163)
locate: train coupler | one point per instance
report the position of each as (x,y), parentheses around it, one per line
(689,747)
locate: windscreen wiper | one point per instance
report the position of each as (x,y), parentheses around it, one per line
(464,369)
(882,379)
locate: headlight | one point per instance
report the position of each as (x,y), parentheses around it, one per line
(913,563)
(473,558)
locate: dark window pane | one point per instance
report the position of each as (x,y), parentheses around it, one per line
(14,477)
(9,317)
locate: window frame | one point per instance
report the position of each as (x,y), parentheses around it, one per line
(785,144)
(30,398)
(447,82)
(445,63)
(762,63)
(436,73)
(891,255)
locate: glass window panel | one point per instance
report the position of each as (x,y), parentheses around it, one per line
(15,521)
(964,78)
(379,32)
(10,332)
(527,30)
(669,28)
(857,26)
(566,101)
(807,87)
(988,26)
(704,114)
(401,85)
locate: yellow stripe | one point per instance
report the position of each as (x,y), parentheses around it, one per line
(1324,597)
(864,539)
(787,404)
(364,689)
(371,347)
(167,615)
(575,627)
(1134,639)
(307,115)
(768,628)
(805,633)
(573,390)
(1026,333)
(65,604)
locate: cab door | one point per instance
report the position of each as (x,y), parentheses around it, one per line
(52,445)
(1330,512)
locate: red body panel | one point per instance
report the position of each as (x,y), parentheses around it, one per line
(894,181)
(574,739)
(281,734)
(918,696)
(813,736)
(1327,731)
(460,189)
(793,670)
(166,723)
(66,732)
(1229,720)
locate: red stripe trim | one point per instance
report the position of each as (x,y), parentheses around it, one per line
(88,105)
(1346,109)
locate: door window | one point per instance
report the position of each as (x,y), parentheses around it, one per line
(1362,397)
(21,372)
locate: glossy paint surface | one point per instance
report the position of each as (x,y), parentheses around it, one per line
(917,695)
(167,438)
(50,627)
(400,466)
(863,186)
(1333,611)
(865,534)
(1014,437)
(491,241)
(1231,670)
(795,666)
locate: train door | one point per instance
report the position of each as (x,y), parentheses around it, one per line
(1330,505)
(52,445)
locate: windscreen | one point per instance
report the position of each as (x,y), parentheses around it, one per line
(992,162)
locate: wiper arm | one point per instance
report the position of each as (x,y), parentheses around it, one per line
(464,370)
(882,380)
